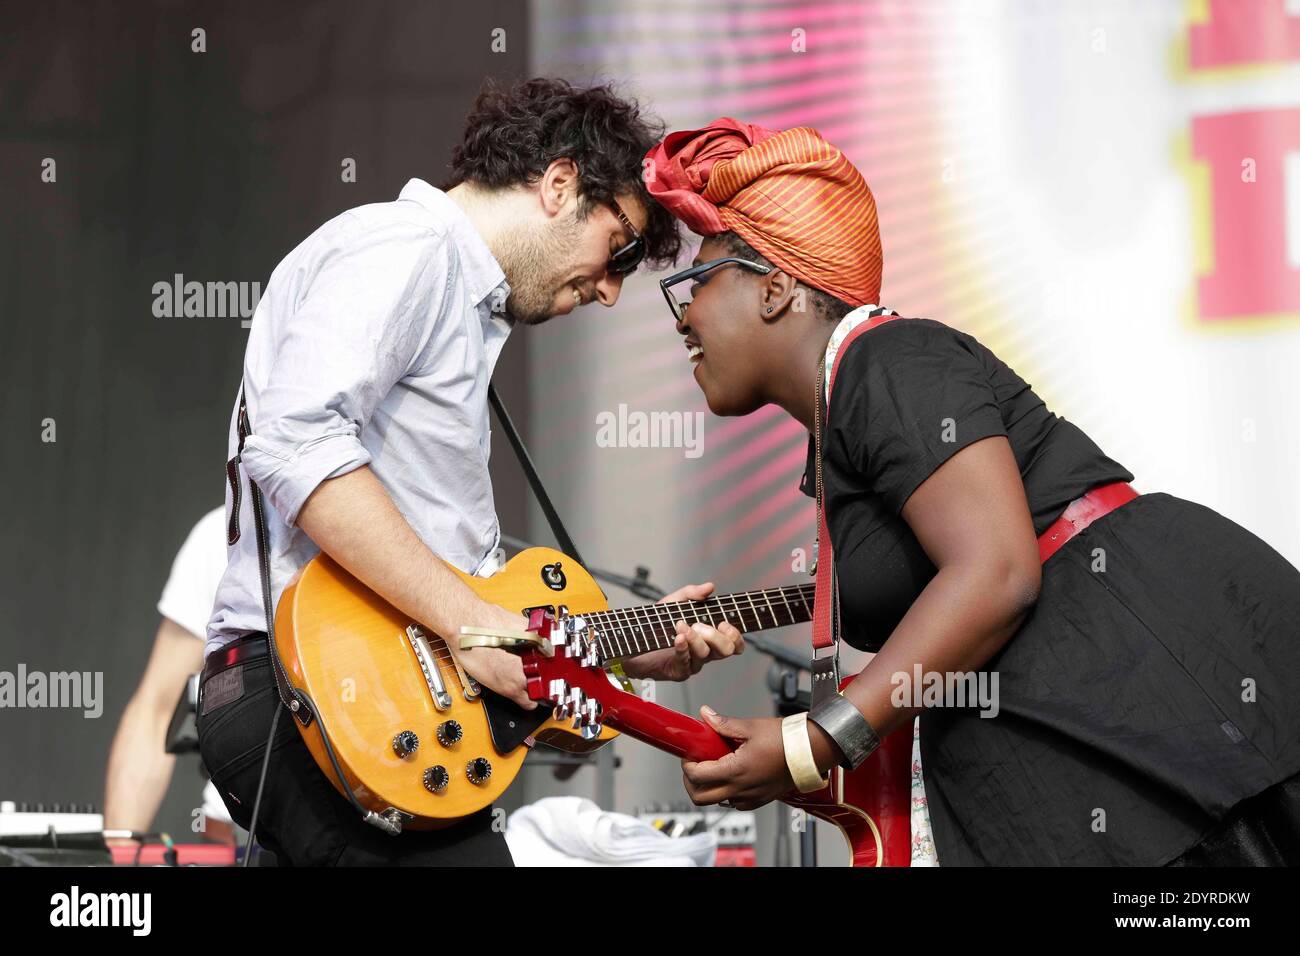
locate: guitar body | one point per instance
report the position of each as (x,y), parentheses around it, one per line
(354,655)
(871,806)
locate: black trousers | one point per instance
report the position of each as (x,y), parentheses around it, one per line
(303,820)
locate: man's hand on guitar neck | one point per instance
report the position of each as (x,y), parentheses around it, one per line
(695,644)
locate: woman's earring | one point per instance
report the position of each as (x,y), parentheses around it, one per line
(769,308)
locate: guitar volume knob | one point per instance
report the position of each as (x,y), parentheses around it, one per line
(436,779)
(450,732)
(406,743)
(478,770)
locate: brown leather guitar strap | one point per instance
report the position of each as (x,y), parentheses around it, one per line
(296,702)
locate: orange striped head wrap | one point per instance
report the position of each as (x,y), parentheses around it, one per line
(791,195)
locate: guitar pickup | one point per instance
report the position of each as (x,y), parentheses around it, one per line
(429,667)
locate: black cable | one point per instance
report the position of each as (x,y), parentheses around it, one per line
(334,762)
(367,815)
(534,479)
(261,780)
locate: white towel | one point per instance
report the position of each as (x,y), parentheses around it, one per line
(573,831)
(213,808)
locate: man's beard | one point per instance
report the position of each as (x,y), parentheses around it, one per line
(536,263)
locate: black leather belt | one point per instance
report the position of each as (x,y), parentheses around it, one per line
(250,647)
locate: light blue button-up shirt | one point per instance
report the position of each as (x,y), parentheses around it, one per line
(373,343)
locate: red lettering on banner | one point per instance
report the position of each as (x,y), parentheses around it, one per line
(1244,31)
(1251,274)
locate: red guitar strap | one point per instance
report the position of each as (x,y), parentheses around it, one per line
(825,629)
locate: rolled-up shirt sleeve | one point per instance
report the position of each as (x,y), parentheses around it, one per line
(364,316)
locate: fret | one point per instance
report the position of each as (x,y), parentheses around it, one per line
(643,642)
(679,613)
(691,615)
(602,623)
(794,617)
(651,624)
(638,624)
(780,594)
(649,628)
(714,611)
(620,639)
(667,623)
(667,619)
(629,636)
(689,612)
(740,617)
(659,621)
(633,632)
(768,600)
(786,601)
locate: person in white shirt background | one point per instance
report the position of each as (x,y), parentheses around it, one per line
(139,768)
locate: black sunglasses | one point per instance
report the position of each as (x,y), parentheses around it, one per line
(666,284)
(626,258)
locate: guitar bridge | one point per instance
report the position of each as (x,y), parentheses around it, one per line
(429,667)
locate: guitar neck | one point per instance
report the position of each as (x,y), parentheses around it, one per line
(632,631)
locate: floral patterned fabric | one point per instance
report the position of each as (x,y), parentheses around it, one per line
(922,839)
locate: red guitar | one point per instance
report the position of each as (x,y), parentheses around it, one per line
(566,657)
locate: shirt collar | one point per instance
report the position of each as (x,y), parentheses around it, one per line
(479,268)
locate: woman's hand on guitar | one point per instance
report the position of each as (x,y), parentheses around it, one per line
(694,646)
(493,667)
(752,775)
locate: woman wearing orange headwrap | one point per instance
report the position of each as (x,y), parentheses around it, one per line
(1141,654)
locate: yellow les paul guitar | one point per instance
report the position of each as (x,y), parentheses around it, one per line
(417,741)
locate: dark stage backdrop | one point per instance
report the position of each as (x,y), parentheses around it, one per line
(208,164)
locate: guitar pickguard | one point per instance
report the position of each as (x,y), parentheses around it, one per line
(508,723)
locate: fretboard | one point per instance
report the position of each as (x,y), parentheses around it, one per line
(630,631)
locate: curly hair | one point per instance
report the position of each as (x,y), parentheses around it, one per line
(826,305)
(514,133)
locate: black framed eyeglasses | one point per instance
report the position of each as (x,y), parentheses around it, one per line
(626,258)
(686,275)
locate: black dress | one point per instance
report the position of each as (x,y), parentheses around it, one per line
(1154,687)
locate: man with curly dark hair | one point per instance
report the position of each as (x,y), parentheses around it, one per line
(366,379)
(549,169)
